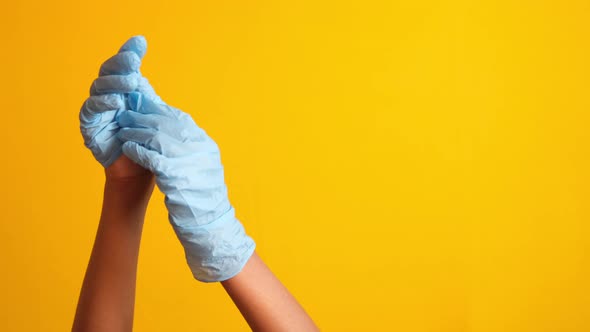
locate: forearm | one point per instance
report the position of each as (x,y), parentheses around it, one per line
(108,293)
(264,302)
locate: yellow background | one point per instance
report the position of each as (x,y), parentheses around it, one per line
(403,166)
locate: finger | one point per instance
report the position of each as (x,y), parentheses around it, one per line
(136,44)
(115,84)
(133,119)
(103,143)
(95,105)
(121,64)
(104,134)
(145,158)
(108,102)
(93,123)
(139,103)
(163,124)
(150,138)
(144,136)
(164,144)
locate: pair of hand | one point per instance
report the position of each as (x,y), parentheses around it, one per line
(124,117)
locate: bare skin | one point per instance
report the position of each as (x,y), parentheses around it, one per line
(264,302)
(107,297)
(108,293)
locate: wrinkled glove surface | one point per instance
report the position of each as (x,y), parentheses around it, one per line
(118,76)
(187,165)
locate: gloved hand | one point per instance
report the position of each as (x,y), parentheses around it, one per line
(118,76)
(188,171)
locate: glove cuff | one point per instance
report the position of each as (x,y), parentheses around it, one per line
(216,251)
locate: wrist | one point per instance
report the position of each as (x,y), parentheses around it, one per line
(129,191)
(126,199)
(133,182)
(125,170)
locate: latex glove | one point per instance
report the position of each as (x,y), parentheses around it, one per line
(188,171)
(118,76)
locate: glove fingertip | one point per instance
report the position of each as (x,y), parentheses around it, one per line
(137,44)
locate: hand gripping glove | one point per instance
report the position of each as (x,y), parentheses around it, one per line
(118,76)
(188,171)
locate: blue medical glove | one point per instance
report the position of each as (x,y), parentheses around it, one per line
(188,171)
(118,76)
